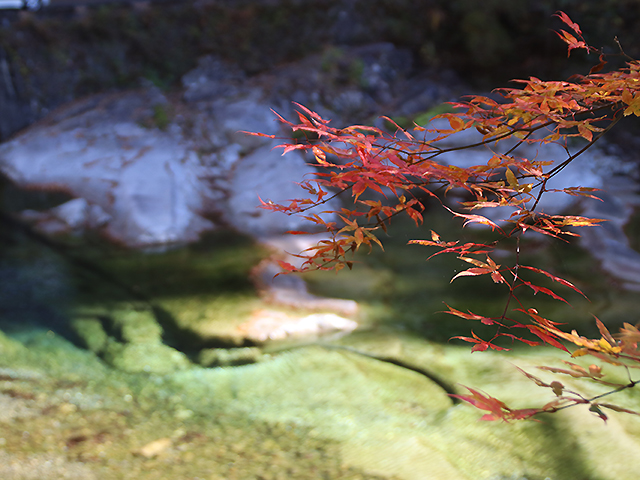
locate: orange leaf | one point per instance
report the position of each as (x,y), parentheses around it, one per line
(604,332)
(359,236)
(598,67)
(287,266)
(472,272)
(498,409)
(471,316)
(595,371)
(288,147)
(475,219)
(585,132)
(480,345)
(535,380)
(455,122)
(545,337)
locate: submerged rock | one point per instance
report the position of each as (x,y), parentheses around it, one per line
(394,423)
(290,290)
(135,326)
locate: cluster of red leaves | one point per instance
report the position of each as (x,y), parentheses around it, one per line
(403,166)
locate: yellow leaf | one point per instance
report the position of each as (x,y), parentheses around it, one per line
(475,262)
(511,178)
(494,161)
(321,157)
(607,347)
(634,108)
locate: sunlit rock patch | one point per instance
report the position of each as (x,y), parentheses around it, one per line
(265,325)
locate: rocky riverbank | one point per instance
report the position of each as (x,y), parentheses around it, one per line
(162,359)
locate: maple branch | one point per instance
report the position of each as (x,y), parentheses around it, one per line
(622,52)
(515,279)
(538,113)
(588,400)
(619,389)
(321,202)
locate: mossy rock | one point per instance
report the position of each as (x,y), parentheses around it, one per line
(136,326)
(91,333)
(211,319)
(144,358)
(377,419)
(394,423)
(224,357)
(8,346)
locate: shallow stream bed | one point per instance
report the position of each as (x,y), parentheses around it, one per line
(303,411)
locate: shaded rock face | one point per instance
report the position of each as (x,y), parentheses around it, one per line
(34,289)
(609,243)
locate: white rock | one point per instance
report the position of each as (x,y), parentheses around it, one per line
(268,175)
(74,216)
(275,325)
(142,182)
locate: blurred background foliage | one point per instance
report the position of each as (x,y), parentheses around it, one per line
(487,42)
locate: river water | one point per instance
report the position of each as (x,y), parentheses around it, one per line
(305,411)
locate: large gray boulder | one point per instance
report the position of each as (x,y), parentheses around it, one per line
(141,184)
(147,171)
